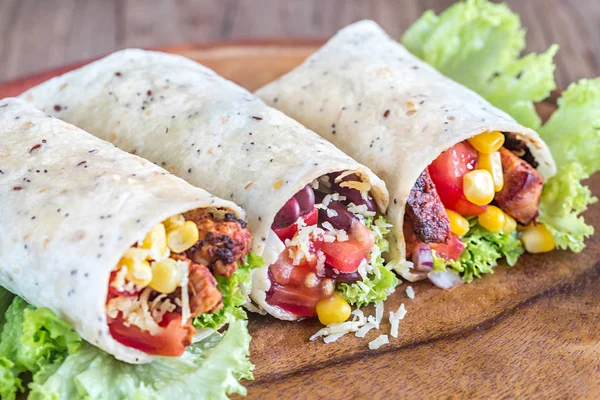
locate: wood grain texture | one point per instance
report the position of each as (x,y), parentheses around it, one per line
(530,331)
(42,34)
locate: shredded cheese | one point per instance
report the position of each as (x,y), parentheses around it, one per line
(377,343)
(410,292)
(395,318)
(185,298)
(135,311)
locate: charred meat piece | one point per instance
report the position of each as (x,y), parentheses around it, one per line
(221,244)
(519,148)
(522,188)
(202,288)
(426,211)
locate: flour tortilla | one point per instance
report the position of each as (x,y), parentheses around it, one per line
(390,110)
(72,205)
(205,129)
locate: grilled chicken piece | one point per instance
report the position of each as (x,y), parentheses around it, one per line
(426,211)
(221,244)
(522,188)
(202,288)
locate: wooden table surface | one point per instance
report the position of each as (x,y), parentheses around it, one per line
(40,34)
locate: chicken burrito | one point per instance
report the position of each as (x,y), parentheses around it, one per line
(116,246)
(460,172)
(315,213)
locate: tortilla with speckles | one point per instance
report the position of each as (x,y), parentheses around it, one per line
(72,204)
(205,129)
(369,96)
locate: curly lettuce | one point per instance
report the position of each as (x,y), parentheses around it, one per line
(478,43)
(482,251)
(381,282)
(235,291)
(573,135)
(36,343)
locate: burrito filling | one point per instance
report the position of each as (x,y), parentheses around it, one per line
(166,280)
(487,182)
(332,246)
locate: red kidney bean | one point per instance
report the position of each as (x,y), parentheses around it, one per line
(343,219)
(352,195)
(342,278)
(288,214)
(306,199)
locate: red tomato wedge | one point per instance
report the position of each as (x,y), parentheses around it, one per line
(449,251)
(169,342)
(289,231)
(447,173)
(346,256)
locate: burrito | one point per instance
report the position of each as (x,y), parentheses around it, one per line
(123,251)
(316,214)
(462,175)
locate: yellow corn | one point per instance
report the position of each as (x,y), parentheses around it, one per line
(493,219)
(333,310)
(492,163)
(156,241)
(458,224)
(509,224)
(182,238)
(478,187)
(487,142)
(537,239)
(166,276)
(138,271)
(173,222)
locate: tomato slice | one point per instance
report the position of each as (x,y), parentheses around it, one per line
(289,231)
(449,251)
(169,342)
(346,256)
(447,173)
(300,301)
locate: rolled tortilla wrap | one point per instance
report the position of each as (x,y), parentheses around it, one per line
(392,111)
(205,129)
(72,205)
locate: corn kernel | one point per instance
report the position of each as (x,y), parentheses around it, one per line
(155,241)
(458,224)
(173,222)
(183,237)
(492,163)
(138,271)
(492,219)
(166,276)
(509,224)
(487,142)
(478,187)
(333,310)
(537,239)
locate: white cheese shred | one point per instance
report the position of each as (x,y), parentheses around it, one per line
(377,343)
(395,318)
(410,292)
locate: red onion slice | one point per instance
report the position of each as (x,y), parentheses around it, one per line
(422,258)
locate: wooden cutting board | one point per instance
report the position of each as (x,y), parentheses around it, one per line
(531,331)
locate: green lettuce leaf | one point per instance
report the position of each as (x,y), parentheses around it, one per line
(6,299)
(482,252)
(382,281)
(31,339)
(235,291)
(573,135)
(36,341)
(209,369)
(573,131)
(477,43)
(563,200)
